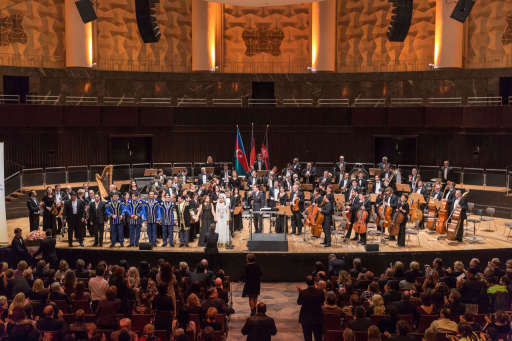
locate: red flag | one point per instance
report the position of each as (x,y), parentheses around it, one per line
(252,157)
(264,150)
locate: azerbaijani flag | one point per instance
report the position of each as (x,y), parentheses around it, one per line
(241,165)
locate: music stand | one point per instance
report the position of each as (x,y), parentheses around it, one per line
(373,197)
(286,211)
(261,173)
(210,170)
(306,187)
(404,188)
(339,199)
(374,171)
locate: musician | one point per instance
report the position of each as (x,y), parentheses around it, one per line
(329,192)
(90,222)
(317,197)
(204,177)
(167,219)
(60,197)
(450,193)
(155,185)
(175,185)
(391,200)
(297,196)
(288,171)
(344,182)
(114,210)
(126,199)
(270,179)
(74,215)
(282,219)
(351,191)
(252,179)
(309,173)
(362,204)
(325,178)
(447,173)
(341,165)
(296,165)
(153,216)
(361,182)
(85,187)
(225,175)
(97,216)
(382,165)
(327,210)
(403,207)
(274,194)
(235,180)
(412,184)
(388,176)
(420,189)
(134,188)
(462,203)
(352,205)
(136,210)
(182,176)
(161,176)
(236,201)
(257,200)
(194,207)
(184,218)
(259,164)
(437,195)
(287,183)
(378,185)
(33,210)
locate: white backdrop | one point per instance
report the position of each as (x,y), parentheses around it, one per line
(4,239)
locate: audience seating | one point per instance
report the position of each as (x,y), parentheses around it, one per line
(361,335)
(140,320)
(333,335)
(425,321)
(408,318)
(62,305)
(81,304)
(162,334)
(332,322)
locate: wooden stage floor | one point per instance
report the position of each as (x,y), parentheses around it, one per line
(494,234)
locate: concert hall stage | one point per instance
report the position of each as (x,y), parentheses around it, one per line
(299,260)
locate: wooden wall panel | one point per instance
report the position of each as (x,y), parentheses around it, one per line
(120,116)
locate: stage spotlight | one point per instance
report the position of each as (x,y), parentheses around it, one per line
(86,10)
(400,20)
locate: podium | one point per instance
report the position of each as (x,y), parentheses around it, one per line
(266,241)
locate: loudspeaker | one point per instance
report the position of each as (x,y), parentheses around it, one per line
(145,246)
(462,10)
(400,20)
(145,12)
(371,247)
(86,10)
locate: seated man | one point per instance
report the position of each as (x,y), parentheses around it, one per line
(124,332)
(361,322)
(48,322)
(443,325)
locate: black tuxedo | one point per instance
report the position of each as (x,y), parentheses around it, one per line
(309,179)
(362,184)
(258,202)
(226,174)
(296,168)
(437,196)
(344,182)
(19,250)
(259,327)
(33,213)
(252,180)
(202,177)
(340,167)
(327,211)
(97,217)
(287,186)
(463,203)
(259,165)
(447,174)
(47,249)
(450,197)
(311,314)
(348,192)
(297,215)
(75,220)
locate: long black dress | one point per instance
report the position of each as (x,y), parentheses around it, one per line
(206,221)
(237,219)
(252,278)
(49,221)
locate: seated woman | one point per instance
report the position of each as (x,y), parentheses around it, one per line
(143,303)
(377,306)
(183,321)
(211,319)
(107,309)
(148,333)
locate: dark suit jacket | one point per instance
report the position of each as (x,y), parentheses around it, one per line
(311,301)
(200,178)
(260,165)
(68,209)
(19,249)
(259,327)
(258,201)
(33,208)
(97,215)
(212,239)
(300,196)
(47,249)
(335,266)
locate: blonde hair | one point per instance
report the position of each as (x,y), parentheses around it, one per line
(38,285)
(17,301)
(134,273)
(193,300)
(378,305)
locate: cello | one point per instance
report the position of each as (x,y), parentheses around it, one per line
(314,219)
(360,225)
(442,217)
(398,218)
(415,214)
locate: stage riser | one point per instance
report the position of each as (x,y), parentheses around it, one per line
(268,242)
(277,267)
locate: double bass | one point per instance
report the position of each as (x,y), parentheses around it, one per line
(398,218)
(430,214)
(314,219)
(386,213)
(347,212)
(455,219)
(415,214)
(442,217)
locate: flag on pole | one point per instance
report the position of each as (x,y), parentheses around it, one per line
(252,156)
(264,149)
(241,165)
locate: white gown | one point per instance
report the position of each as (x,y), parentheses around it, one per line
(222,227)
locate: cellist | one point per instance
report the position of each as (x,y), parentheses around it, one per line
(462,203)
(352,206)
(362,205)
(403,207)
(327,211)
(390,200)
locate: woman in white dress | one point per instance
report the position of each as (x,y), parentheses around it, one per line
(222,214)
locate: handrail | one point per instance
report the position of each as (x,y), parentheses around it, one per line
(12,175)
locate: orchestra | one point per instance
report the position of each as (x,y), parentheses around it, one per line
(186,205)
